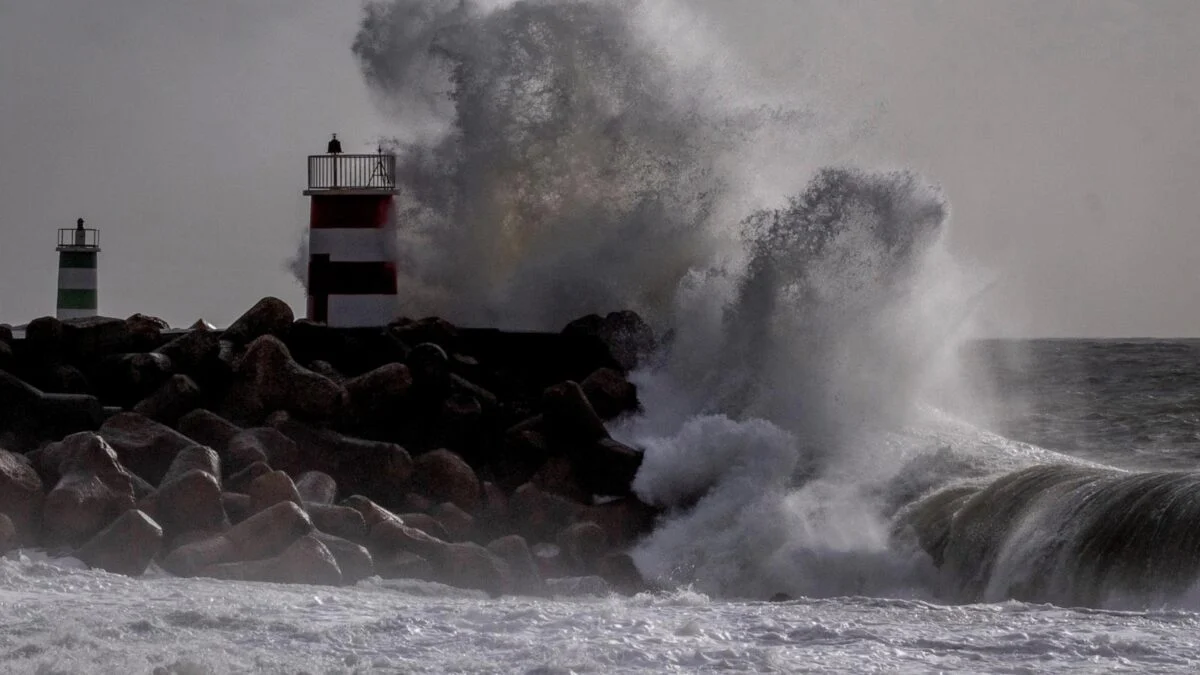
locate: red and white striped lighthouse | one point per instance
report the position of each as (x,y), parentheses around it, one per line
(351,276)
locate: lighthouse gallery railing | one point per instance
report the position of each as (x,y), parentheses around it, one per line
(351,172)
(74,237)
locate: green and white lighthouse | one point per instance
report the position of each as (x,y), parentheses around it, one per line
(78,249)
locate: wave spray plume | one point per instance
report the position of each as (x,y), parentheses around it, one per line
(563,158)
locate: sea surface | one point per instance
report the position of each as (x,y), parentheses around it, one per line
(1133,405)
(1128,403)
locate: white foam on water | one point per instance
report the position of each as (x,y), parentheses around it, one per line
(60,620)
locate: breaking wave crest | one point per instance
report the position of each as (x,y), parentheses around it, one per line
(563,158)
(1065,534)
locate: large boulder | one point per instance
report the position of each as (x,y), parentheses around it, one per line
(173,399)
(459,425)
(619,570)
(514,550)
(606,467)
(126,379)
(64,378)
(88,338)
(458,524)
(377,397)
(21,495)
(325,369)
(538,515)
(196,354)
(261,444)
(431,329)
(44,338)
(354,560)
(144,446)
(236,505)
(492,516)
(610,393)
(29,416)
(266,379)
(196,457)
(624,520)
(430,368)
(427,524)
(393,536)
(188,507)
(628,337)
(583,544)
(569,416)
(240,481)
(7,358)
(551,561)
(557,476)
(92,491)
(414,503)
(524,451)
(145,332)
(141,488)
(8,534)
(389,534)
(305,561)
(462,386)
(269,316)
(309,341)
(468,565)
(208,428)
(340,521)
(126,546)
(316,487)
(401,565)
(444,476)
(263,535)
(270,489)
(576,587)
(380,471)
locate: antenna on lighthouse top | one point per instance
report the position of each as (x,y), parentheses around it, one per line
(384,170)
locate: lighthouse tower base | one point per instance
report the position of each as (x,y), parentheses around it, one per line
(78,251)
(351,268)
(353,311)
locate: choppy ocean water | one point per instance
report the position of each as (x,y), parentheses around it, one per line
(60,621)
(1127,404)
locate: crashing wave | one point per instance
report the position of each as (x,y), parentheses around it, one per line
(563,158)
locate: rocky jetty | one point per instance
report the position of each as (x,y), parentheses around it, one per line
(287,451)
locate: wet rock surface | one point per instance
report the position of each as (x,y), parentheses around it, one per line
(287,451)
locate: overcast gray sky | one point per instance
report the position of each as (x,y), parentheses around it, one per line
(1066,135)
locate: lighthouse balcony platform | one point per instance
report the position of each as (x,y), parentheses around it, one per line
(77,239)
(351,174)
